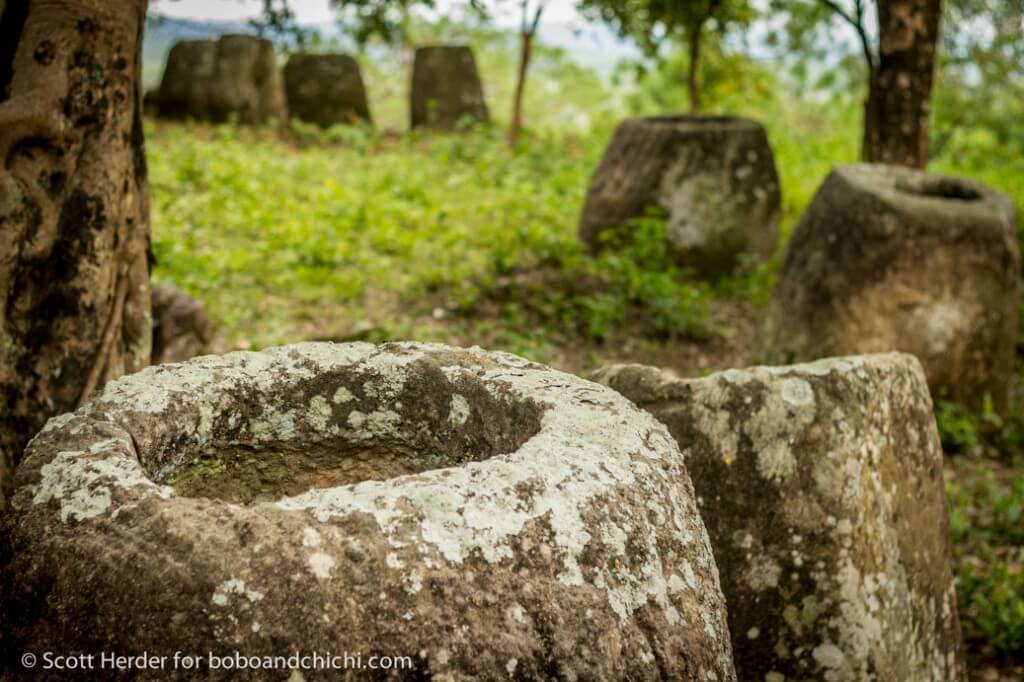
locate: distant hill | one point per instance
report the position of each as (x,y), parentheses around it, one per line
(593,45)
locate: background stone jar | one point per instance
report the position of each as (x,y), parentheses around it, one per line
(714,176)
(326,89)
(446,88)
(484,515)
(233,76)
(888,258)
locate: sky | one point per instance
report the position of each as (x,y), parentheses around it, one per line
(317,11)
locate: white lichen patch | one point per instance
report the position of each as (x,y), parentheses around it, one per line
(376,424)
(310,538)
(945,321)
(458,413)
(516,613)
(321,564)
(796,392)
(234,587)
(82,483)
(776,462)
(386,373)
(320,413)
(762,573)
(829,656)
(273,426)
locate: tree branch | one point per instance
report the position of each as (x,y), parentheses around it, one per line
(536,17)
(858,25)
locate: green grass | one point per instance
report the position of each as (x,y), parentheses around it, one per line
(279,239)
(286,239)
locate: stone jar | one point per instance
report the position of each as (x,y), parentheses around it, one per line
(234,76)
(888,258)
(446,88)
(821,487)
(485,516)
(326,89)
(187,84)
(181,327)
(714,177)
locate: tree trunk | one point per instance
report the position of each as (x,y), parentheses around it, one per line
(898,104)
(74,213)
(525,55)
(693,70)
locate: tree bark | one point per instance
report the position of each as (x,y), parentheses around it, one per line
(898,106)
(527,34)
(693,70)
(74,212)
(525,55)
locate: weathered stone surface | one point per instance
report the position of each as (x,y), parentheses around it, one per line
(888,258)
(236,75)
(446,88)
(487,516)
(325,89)
(821,488)
(714,176)
(181,329)
(187,84)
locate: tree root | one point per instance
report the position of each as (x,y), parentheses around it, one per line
(109,332)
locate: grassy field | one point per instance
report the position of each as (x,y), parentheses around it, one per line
(354,234)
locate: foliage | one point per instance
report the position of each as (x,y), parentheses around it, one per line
(824,30)
(983,432)
(981,60)
(729,76)
(657,24)
(987,525)
(279,22)
(653,22)
(387,20)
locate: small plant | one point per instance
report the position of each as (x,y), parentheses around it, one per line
(987,525)
(993,605)
(980,432)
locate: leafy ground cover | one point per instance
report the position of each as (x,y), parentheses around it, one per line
(297,234)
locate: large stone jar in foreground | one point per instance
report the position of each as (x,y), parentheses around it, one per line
(235,76)
(486,516)
(715,177)
(446,88)
(326,89)
(821,488)
(888,258)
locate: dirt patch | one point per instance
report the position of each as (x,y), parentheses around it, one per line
(734,326)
